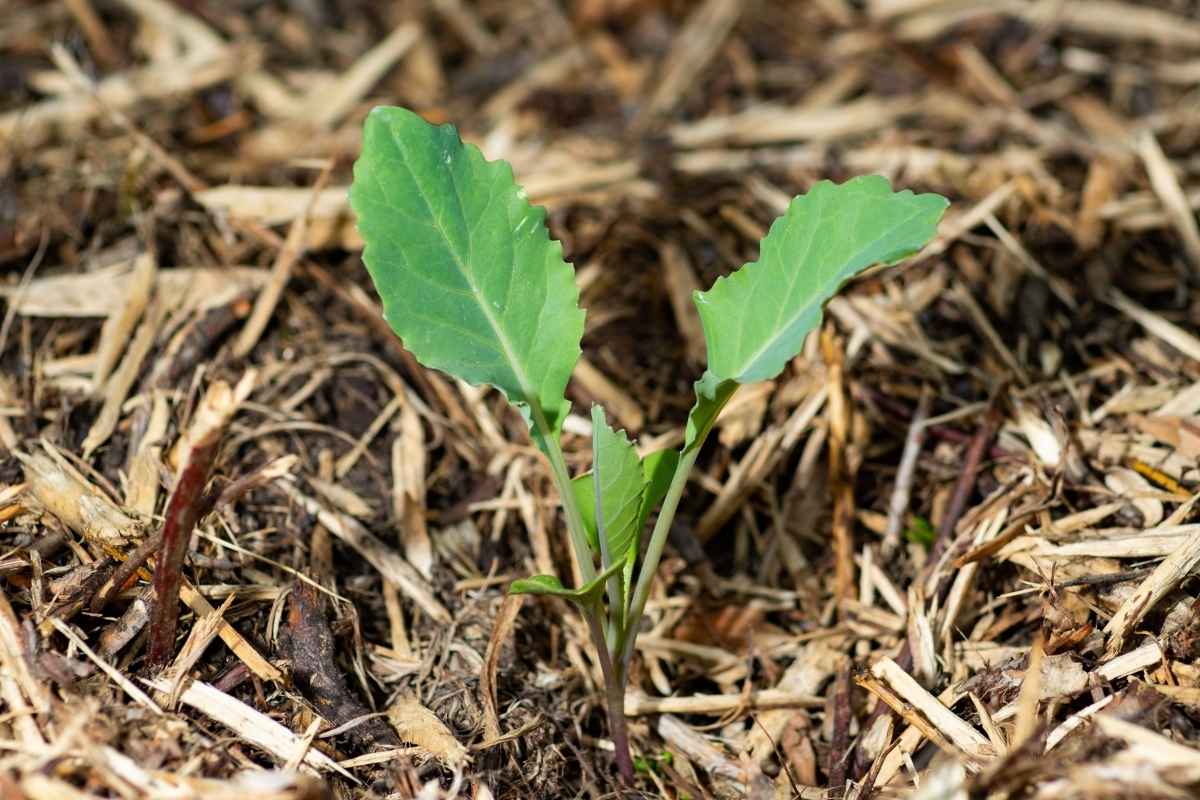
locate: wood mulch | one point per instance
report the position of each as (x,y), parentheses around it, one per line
(950,552)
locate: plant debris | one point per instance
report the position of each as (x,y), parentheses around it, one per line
(950,551)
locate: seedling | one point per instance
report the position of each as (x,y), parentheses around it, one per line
(474,286)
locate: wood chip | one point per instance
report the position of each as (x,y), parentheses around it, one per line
(252,726)
(416,724)
(1174,568)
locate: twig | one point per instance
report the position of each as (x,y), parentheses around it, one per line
(839,469)
(840,742)
(316,673)
(966,480)
(184,508)
(125,571)
(904,475)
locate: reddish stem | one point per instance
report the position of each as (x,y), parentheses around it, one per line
(184,509)
(840,744)
(614,696)
(619,730)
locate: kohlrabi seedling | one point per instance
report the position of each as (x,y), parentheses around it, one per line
(473,284)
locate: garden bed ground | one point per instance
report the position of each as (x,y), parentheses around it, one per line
(951,546)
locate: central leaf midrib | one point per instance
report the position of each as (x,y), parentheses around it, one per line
(514,363)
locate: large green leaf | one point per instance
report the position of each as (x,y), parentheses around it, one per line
(755,320)
(469,277)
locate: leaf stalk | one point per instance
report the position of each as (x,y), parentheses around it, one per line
(654,551)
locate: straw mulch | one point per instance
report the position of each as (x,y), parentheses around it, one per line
(948,553)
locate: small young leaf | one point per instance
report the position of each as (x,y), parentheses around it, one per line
(585,497)
(920,531)
(585,596)
(469,278)
(617,486)
(617,494)
(755,319)
(657,470)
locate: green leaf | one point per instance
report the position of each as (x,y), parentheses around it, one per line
(585,497)
(920,531)
(617,495)
(469,277)
(658,469)
(711,396)
(585,596)
(755,319)
(617,487)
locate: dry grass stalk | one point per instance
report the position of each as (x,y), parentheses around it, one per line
(717,705)
(935,721)
(24,696)
(627,411)
(681,282)
(330,104)
(112,672)
(103,292)
(281,271)
(698,41)
(393,568)
(764,453)
(119,325)
(491,661)
(117,387)
(252,726)
(409,479)
(203,632)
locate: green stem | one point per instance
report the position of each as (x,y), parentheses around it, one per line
(654,551)
(562,479)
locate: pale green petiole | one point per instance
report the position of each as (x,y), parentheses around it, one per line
(654,551)
(575,526)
